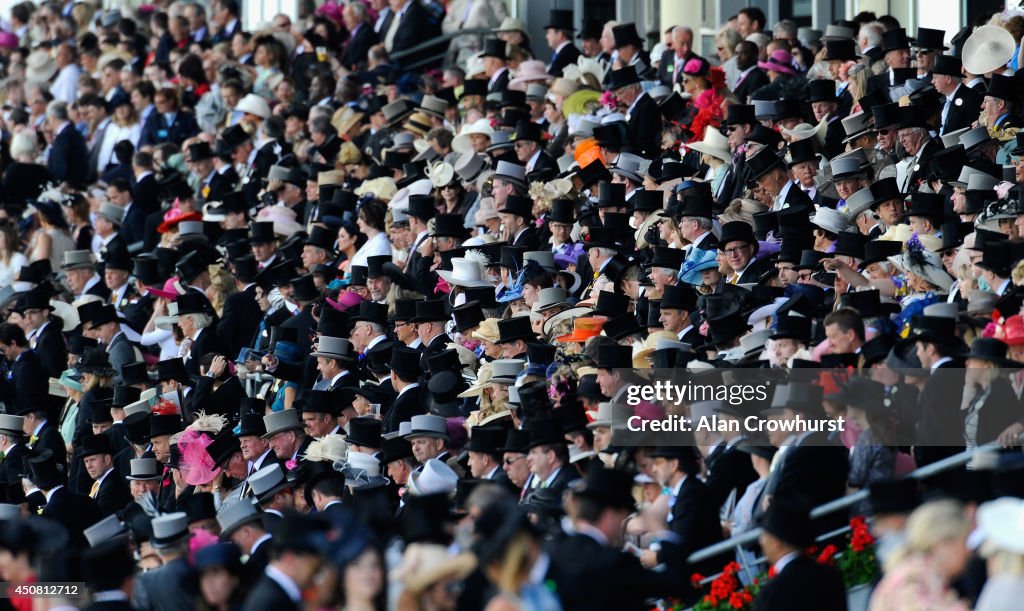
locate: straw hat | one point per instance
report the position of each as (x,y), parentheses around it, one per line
(39,66)
(425,564)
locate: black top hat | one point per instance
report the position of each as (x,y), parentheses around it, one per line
(929,205)
(998,258)
(93,315)
(394,449)
(740,114)
(546,431)
(669,258)
(850,244)
(92,445)
(790,522)
(893,496)
(607,487)
(561,19)
(372,312)
(726,327)
(450,226)
(822,90)
(840,50)
(887,116)
(877,348)
(625,34)
(519,206)
(319,402)
(736,231)
(934,329)
(36,299)
(928,38)
(125,395)
(261,232)
(357,275)
(622,326)
(648,201)
(164,424)
(136,428)
(223,447)
(516,441)
(322,237)
(947,163)
(147,270)
(698,205)
(802,150)
(468,316)
(761,163)
(894,40)
(674,108)
(474,86)
(679,297)
(495,47)
(364,431)
(251,424)
(992,350)
(884,190)
(421,207)
(623,77)
(193,303)
(610,135)
(171,369)
(611,195)
(406,362)
(610,304)
(1002,87)
(118,258)
(514,329)
(528,131)
(792,327)
(375,265)
(405,310)
(948,65)
(43,469)
(431,310)
(96,361)
(613,356)
(190,266)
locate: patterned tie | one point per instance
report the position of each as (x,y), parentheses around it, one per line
(95,489)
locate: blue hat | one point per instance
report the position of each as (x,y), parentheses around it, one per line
(692,267)
(219,554)
(288,352)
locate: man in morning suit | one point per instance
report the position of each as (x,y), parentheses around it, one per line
(295,558)
(166,588)
(74,511)
(68,148)
(558,33)
(109,489)
(643,121)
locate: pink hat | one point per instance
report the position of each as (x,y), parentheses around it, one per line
(346,300)
(168,292)
(8,40)
(778,61)
(330,10)
(283,219)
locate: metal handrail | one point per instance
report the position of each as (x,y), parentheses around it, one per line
(845,502)
(433,42)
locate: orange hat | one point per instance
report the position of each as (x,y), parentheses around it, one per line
(583,329)
(587,151)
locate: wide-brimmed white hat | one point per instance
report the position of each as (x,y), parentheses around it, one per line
(462,142)
(254,105)
(39,66)
(465,272)
(714,144)
(925,264)
(1002,523)
(989,48)
(440,174)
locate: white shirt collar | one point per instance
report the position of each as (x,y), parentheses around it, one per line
(39,427)
(408,388)
(290,587)
(105,474)
(940,362)
(782,562)
(259,542)
(49,494)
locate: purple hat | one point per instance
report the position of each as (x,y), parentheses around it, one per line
(779,61)
(8,40)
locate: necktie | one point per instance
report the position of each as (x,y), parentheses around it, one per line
(95,489)
(389,38)
(553,56)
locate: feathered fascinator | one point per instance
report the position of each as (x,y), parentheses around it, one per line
(196,464)
(330,448)
(531,269)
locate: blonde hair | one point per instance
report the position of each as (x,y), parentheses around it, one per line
(930,524)
(91,381)
(223,284)
(1001,561)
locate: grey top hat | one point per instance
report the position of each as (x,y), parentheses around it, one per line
(235,515)
(628,165)
(510,171)
(169,529)
(104,530)
(9,512)
(139,407)
(544,258)
(830,220)
(268,480)
(190,228)
(845,167)
(981,181)
(504,371)
(536,91)
(584,129)
(335,348)
(78,259)
(974,137)
(469,165)
(144,469)
(838,32)
(279,422)
(856,125)
(551,297)
(434,106)
(111,212)
(429,425)
(15,424)
(953,138)
(404,428)
(858,202)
